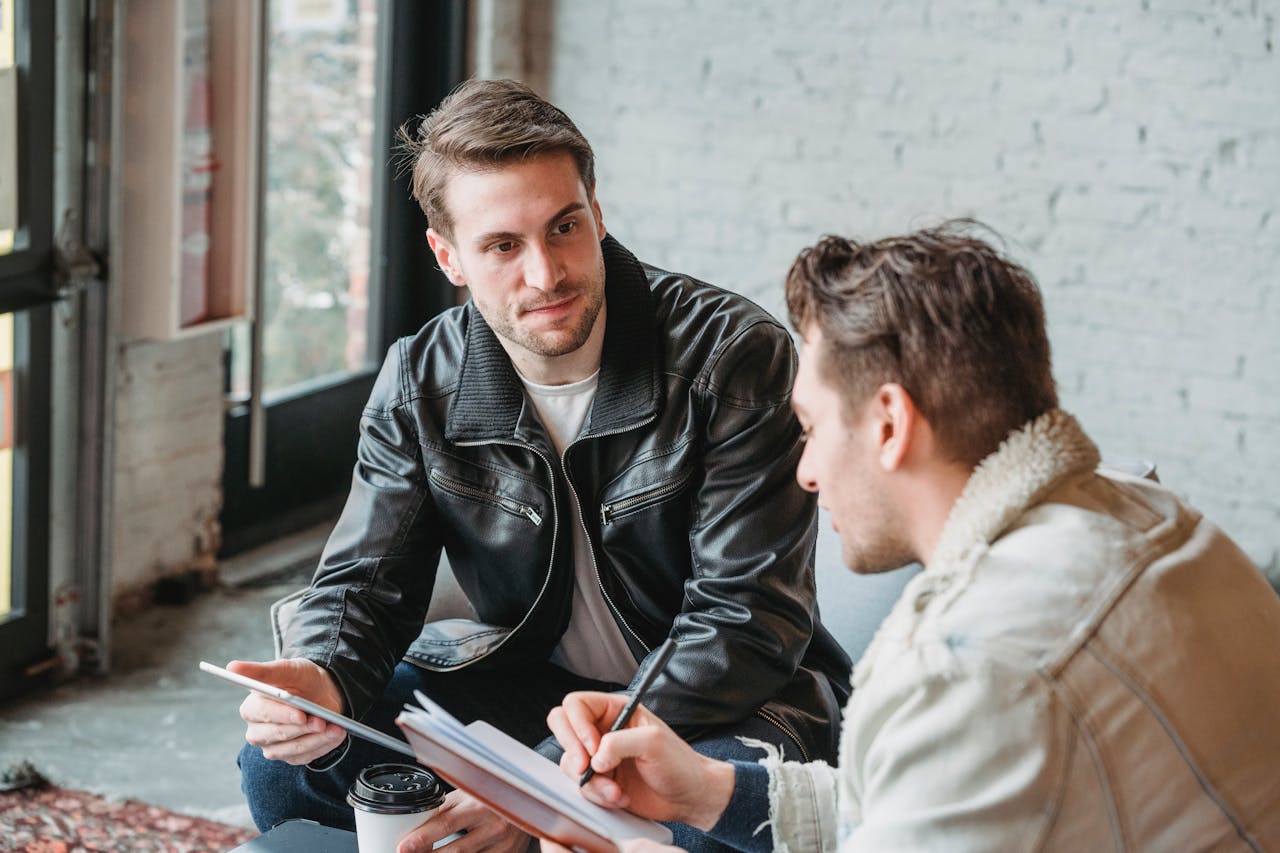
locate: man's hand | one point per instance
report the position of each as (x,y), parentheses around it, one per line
(285,733)
(485,829)
(630,845)
(645,768)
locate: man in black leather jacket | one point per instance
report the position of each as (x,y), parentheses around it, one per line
(606,453)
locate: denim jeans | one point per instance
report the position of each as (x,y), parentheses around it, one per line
(515,701)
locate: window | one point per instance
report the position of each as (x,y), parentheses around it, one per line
(26,281)
(345,266)
(26,162)
(6,465)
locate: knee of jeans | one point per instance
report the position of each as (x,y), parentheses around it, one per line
(267,787)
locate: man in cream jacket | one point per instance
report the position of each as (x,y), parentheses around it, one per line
(1086,662)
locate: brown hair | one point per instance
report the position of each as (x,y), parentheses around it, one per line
(485,124)
(941,313)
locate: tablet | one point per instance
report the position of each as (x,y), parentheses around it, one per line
(271,691)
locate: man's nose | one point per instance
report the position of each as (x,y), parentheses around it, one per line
(807,481)
(542,268)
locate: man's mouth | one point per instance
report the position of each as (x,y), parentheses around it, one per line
(550,307)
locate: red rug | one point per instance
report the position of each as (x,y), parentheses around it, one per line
(48,819)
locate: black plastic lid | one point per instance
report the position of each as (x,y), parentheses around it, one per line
(395,789)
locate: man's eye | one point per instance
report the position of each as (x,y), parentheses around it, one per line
(566,227)
(504,247)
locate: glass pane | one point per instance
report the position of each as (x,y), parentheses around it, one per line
(321,58)
(8,130)
(6,465)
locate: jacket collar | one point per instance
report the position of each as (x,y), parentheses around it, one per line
(1026,467)
(490,397)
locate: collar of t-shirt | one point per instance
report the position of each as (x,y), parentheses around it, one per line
(563,408)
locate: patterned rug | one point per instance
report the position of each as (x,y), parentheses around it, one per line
(48,819)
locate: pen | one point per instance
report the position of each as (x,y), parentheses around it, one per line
(654,665)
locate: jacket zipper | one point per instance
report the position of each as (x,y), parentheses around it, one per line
(555,533)
(613,510)
(466,490)
(786,729)
(594,563)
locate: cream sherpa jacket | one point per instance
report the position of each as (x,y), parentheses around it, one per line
(1086,664)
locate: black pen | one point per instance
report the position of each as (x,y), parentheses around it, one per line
(653,666)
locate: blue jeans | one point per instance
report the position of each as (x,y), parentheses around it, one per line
(516,701)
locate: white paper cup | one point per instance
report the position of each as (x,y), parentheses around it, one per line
(390,801)
(380,833)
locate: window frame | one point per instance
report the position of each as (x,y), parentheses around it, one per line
(24,631)
(26,273)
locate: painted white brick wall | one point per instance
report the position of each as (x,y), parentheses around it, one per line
(168,468)
(1130,151)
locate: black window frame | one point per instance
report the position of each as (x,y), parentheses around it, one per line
(24,631)
(26,273)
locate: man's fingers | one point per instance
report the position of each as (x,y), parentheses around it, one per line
(549,846)
(485,830)
(603,791)
(588,714)
(615,747)
(259,734)
(259,709)
(646,845)
(301,750)
(299,676)
(575,757)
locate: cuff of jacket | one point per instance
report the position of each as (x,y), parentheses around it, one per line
(744,824)
(332,757)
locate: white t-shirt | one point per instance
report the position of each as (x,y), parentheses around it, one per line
(592,645)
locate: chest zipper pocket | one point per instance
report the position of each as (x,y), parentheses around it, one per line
(466,490)
(622,506)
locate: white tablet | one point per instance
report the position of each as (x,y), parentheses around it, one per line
(353,726)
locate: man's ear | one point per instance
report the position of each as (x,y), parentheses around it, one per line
(446,257)
(896,420)
(596,212)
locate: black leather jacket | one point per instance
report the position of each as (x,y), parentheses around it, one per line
(685,475)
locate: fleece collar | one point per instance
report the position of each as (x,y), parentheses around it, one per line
(1028,465)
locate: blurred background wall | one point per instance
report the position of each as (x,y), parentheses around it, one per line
(1128,151)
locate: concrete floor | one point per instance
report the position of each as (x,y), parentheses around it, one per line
(156,729)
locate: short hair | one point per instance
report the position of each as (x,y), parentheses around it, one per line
(940,312)
(482,125)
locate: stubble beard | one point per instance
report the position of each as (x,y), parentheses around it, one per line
(880,548)
(561,341)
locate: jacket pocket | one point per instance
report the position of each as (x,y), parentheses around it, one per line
(627,504)
(470,492)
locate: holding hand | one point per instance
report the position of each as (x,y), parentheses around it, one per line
(631,845)
(285,733)
(485,830)
(645,768)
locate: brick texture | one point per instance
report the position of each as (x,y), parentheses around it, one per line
(1129,151)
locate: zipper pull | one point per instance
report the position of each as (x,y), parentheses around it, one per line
(532,513)
(604,514)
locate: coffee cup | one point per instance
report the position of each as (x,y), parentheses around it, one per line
(390,801)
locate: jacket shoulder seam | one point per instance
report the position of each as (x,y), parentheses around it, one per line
(706,377)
